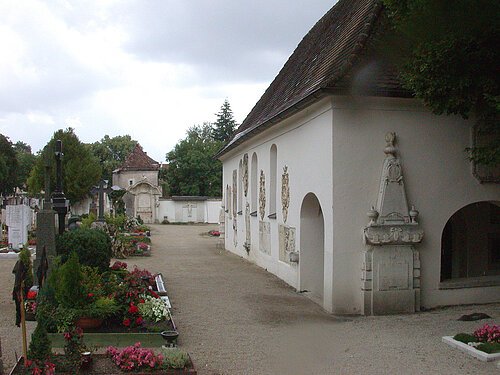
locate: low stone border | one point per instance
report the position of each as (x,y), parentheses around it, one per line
(148,340)
(482,356)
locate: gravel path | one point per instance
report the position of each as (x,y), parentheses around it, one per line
(236,318)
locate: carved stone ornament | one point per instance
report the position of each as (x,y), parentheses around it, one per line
(262,195)
(234,193)
(245,174)
(285,193)
(391,223)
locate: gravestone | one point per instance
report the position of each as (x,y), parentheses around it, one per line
(390,279)
(286,242)
(101,190)
(18,219)
(46,227)
(265,237)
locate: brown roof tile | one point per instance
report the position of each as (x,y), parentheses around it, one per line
(324,62)
(138,160)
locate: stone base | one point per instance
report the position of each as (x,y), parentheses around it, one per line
(391,280)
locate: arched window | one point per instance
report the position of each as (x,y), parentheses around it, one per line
(470,242)
(273,167)
(254,184)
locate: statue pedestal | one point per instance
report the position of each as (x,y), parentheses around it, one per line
(391,280)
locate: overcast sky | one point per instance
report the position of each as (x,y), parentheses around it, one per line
(149,69)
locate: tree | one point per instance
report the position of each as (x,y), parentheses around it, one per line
(448,56)
(8,166)
(25,160)
(112,152)
(225,124)
(80,168)
(192,169)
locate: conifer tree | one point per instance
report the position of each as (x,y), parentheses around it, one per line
(225,124)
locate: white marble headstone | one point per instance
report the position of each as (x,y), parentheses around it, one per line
(18,220)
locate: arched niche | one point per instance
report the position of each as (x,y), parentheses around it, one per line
(312,248)
(470,242)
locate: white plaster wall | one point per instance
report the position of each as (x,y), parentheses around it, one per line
(207,211)
(438,182)
(304,144)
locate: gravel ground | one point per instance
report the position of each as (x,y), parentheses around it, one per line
(236,318)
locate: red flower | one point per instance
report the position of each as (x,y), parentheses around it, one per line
(133,309)
(31,294)
(141,300)
(90,295)
(139,320)
(154,294)
(126,322)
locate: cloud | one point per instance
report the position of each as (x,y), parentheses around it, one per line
(149,69)
(224,39)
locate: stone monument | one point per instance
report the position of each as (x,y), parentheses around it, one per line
(101,190)
(18,219)
(391,266)
(46,224)
(58,198)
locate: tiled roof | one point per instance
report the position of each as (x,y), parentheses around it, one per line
(324,62)
(138,160)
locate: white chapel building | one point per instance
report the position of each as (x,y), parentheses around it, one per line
(348,189)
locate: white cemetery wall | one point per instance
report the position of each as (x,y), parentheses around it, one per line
(177,211)
(438,181)
(310,171)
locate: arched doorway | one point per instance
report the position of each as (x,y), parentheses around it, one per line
(312,248)
(470,242)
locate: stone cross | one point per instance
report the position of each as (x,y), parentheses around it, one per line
(101,190)
(190,207)
(58,198)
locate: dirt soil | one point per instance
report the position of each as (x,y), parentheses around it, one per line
(236,318)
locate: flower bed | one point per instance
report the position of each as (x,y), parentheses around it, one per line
(102,364)
(125,301)
(483,344)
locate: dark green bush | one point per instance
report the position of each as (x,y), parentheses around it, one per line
(69,286)
(93,247)
(489,347)
(40,345)
(465,338)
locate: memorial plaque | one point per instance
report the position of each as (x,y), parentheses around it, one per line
(286,242)
(265,237)
(393,276)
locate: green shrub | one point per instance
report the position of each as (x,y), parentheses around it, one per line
(25,258)
(489,347)
(40,345)
(465,338)
(88,220)
(93,247)
(174,358)
(68,286)
(118,221)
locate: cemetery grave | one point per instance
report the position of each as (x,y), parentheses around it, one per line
(16,231)
(483,344)
(84,306)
